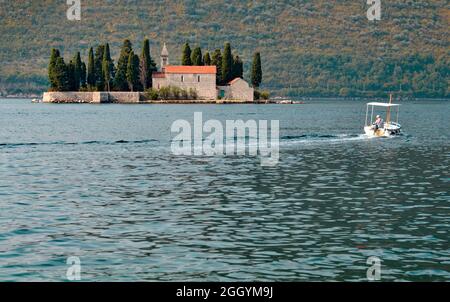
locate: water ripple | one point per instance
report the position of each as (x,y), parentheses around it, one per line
(134,212)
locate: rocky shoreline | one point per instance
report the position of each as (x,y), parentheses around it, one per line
(159,102)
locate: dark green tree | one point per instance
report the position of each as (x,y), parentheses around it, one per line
(238,67)
(76,66)
(256,70)
(147,66)
(107,68)
(99,76)
(91,70)
(227,64)
(61,75)
(197,57)
(120,79)
(51,69)
(217,61)
(207,59)
(133,72)
(83,76)
(186,58)
(71,75)
(106,74)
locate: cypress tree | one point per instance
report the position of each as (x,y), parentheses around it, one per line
(106,71)
(98,61)
(61,75)
(133,72)
(83,76)
(147,66)
(227,64)
(256,70)
(238,67)
(207,59)
(130,72)
(71,75)
(112,68)
(76,71)
(91,70)
(197,58)
(217,61)
(51,69)
(186,58)
(107,68)
(106,74)
(120,79)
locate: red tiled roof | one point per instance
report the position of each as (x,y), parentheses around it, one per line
(192,69)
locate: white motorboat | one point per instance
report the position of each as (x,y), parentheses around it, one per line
(386,128)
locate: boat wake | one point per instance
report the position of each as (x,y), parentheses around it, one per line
(15,145)
(321,138)
(288,140)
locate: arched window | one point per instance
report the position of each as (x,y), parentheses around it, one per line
(198,79)
(182,79)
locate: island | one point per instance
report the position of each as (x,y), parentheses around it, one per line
(136,79)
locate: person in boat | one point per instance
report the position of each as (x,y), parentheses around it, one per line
(378,123)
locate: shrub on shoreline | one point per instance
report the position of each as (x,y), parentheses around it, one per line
(265,95)
(171,93)
(151,94)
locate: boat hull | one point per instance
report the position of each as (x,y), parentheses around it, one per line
(371,133)
(388,131)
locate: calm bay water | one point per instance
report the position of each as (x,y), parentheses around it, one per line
(100,183)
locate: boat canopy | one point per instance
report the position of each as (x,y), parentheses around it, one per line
(388,106)
(382,104)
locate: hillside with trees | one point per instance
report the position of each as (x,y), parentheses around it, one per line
(309,48)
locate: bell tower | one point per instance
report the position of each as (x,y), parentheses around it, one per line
(164,57)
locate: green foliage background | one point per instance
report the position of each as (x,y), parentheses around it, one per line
(315,47)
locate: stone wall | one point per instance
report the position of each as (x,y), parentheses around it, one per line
(158,83)
(70,97)
(124,97)
(138,97)
(92,97)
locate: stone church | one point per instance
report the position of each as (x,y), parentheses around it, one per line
(202,79)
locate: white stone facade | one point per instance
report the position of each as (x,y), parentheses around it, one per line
(203,83)
(238,90)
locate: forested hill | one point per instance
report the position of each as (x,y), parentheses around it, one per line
(315,47)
